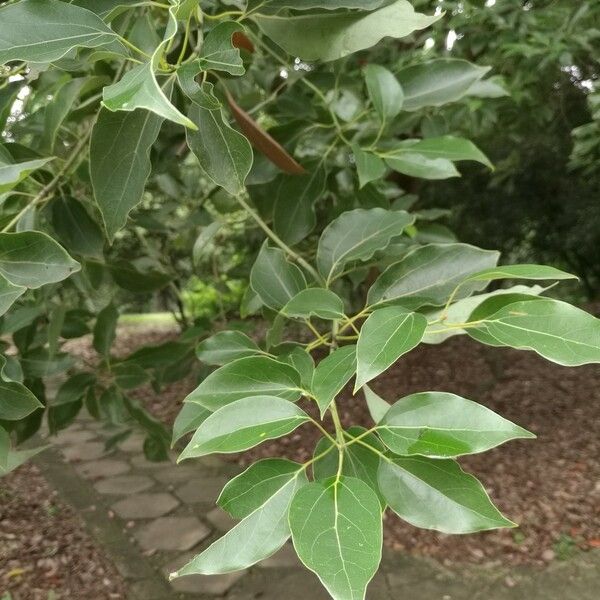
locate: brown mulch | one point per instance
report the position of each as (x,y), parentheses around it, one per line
(45,551)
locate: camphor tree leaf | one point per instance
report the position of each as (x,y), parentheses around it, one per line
(328,37)
(438,82)
(120,162)
(218,52)
(377,406)
(302,361)
(429,274)
(417,165)
(9,294)
(385,336)
(344,515)
(105,329)
(317,302)
(294,214)
(555,330)
(531,272)
(16,401)
(139,88)
(324,4)
(446,147)
(12,173)
(275,279)
(11,459)
(359,462)
(75,227)
(459,312)
(332,374)
(224,154)
(243,424)
(261,532)
(356,235)
(33,259)
(190,417)
(369,166)
(245,493)
(250,376)
(107,9)
(437,494)
(384,90)
(43,31)
(444,425)
(225,347)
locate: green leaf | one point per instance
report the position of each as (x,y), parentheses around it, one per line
(9,294)
(12,173)
(302,361)
(250,376)
(224,154)
(332,374)
(438,82)
(11,459)
(190,417)
(356,235)
(324,4)
(120,163)
(555,330)
(56,112)
(43,31)
(377,406)
(385,336)
(107,9)
(252,488)
(274,279)
(130,376)
(446,147)
(218,53)
(73,389)
(16,401)
(439,495)
(329,37)
(443,425)
(317,302)
(75,228)
(459,312)
(359,461)
(531,272)
(429,274)
(33,259)
(128,277)
(417,165)
(139,87)
(259,535)
(384,91)
(244,424)
(294,212)
(369,166)
(105,329)
(344,515)
(225,347)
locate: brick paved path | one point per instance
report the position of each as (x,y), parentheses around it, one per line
(153,517)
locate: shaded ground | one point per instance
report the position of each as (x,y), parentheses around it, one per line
(44,548)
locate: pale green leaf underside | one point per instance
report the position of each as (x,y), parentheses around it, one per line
(444,425)
(439,495)
(316,302)
(332,374)
(225,347)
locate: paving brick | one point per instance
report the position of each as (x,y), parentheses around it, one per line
(212,585)
(141,462)
(204,489)
(177,474)
(284,558)
(70,437)
(220,519)
(172,533)
(86,451)
(145,506)
(134,443)
(103,468)
(124,485)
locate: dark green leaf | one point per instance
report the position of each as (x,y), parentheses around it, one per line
(105,329)
(225,347)
(384,90)
(218,53)
(317,302)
